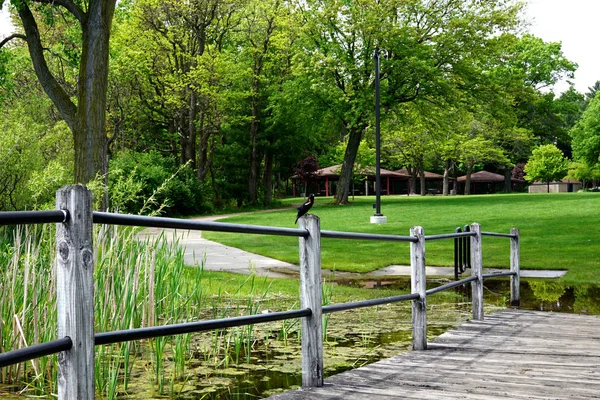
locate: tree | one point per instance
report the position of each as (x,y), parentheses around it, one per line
(306,170)
(547,164)
(434,51)
(408,141)
(581,172)
(86,117)
(586,134)
(36,148)
(591,93)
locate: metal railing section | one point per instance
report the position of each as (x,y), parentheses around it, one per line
(311,311)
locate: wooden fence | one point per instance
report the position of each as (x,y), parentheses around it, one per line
(75,287)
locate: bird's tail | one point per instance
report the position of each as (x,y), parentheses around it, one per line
(295,222)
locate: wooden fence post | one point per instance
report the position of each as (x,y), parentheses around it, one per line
(311,297)
(75,293)
(477,270)
(515,266)
(418,285)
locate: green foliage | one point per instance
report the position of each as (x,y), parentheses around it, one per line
(244,91)
(147,183)
(538,63)
(583,173)
(36,155)
(547,164)
(586,134)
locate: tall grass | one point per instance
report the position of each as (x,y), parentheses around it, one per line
(138,283)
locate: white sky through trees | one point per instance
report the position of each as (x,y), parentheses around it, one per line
(571,22)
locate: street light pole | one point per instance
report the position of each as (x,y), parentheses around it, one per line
(378,218)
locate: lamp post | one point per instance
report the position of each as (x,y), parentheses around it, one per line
(378,218)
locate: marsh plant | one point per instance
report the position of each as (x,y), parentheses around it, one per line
(138,283)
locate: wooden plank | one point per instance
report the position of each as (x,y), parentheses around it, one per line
(75,293)
(515,266)
(418,285)
(311,297)
(477,270)
(512,354)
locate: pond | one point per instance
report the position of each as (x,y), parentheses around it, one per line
(270,362)
(359,337)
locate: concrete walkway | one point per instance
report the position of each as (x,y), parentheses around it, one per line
(218,257)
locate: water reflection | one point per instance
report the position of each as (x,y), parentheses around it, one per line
(263,376)
(536,294)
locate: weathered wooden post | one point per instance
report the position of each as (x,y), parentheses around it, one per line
(515,266)
(418,283)
(75,293)
(311,297)
(477,271)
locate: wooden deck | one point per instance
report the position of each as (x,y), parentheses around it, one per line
(512,354)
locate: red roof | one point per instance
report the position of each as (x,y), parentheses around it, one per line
(428,175)
(334,172)
(486,176)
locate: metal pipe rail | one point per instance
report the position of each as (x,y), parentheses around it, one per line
(495,234)
(450,236)
(451,285)
(367,236)
(499,274)
(369,303)
(175,223)
(35,351)
(33,217)
(75,253)
(192,327)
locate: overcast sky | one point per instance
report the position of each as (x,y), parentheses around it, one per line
(571,22)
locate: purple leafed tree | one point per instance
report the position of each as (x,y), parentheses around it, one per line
(306,170)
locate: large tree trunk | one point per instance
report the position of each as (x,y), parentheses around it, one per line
(253,173)
(193,131)
(446,184)
(412,180)
(468,181)
(87,119)
(204,157)
(422,180)
(507,180)
(268,178)
(341,195)
(90,139)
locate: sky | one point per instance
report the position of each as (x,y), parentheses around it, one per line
(571,22)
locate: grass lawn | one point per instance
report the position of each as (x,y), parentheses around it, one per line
(558,231)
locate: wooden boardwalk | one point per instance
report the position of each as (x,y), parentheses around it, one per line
(512,354)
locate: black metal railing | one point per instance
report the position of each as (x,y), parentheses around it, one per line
(308,264)
(462,252)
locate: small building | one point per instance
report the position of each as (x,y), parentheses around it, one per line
(325,178)
(564,186)
(434,183)
(485,182)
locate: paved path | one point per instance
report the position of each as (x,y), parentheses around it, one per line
(513,354)
(218,257)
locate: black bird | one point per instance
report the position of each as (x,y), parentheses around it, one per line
(303,209)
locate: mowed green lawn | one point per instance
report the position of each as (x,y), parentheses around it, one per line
(558,231)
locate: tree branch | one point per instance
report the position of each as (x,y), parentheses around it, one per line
(70,6)
(56,93)
(11,37)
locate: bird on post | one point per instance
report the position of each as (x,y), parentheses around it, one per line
(303,209)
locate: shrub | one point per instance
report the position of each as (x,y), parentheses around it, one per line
(148,183)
